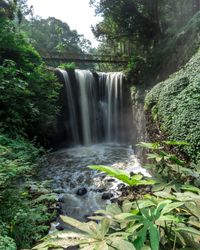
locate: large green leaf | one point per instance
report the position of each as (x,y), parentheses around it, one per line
(123,175)
(141,237)
(191,189)
(104,227)
(126,206)
(190,230)
(169,218)
(154,237)
(153,145)
(84,227)
(121,244)
(169,207)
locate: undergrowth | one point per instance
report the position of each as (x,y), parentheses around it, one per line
(166,218)
(24,210)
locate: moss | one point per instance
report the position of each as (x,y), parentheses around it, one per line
(177,104)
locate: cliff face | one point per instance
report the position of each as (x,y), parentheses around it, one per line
(174,105)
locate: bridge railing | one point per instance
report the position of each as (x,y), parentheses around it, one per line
(69,57)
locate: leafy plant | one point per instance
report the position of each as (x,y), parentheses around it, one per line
(168,165)
(23,213)
(169,218)
(90,235)
(67,66)
(131,180)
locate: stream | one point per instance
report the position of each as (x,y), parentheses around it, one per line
(81,190)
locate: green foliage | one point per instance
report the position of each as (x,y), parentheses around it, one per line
(29,92)
(18,158)
(169,218)
(23,213)
(135,64)
(178,48)
(7,9)
(6,243)
(52,35)
(28,107)
(176,101)
(151,223)
(67,66)
(168,165)
(131,180)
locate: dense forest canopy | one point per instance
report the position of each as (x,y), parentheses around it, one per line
(132,24)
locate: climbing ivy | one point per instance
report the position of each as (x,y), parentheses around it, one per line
(176,102)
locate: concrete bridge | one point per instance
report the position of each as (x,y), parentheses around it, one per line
(87,58)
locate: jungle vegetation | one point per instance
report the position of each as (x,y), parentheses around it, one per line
(160,36)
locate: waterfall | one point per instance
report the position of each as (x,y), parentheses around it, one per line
(99,102)
(73,124)
(88,104)
(114,100)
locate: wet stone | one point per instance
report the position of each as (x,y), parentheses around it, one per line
(121,186)
(58,191)
(110,180)
(107,196)
(61,199)
(81,191)
(60,227)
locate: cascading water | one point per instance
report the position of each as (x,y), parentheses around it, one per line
(99,106)
(114,102)
(88,105)
(71,109)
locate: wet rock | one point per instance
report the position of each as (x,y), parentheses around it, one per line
(86,217)
(60,227)
(121,186)
(59,208)
(114,200)
(110,180)
(100,190)
(58,191)
(107,196)
(61,199)
(81,191)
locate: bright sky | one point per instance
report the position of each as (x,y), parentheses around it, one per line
(76,13)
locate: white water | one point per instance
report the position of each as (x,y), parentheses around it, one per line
(98,105)
(67,168)
(71,107)
(114,101)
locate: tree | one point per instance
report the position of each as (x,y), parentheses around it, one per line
(52,35)
(7,9)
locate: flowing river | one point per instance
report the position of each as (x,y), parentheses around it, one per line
(81,190)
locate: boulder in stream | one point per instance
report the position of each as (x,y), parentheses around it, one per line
(81,191)
(107,196)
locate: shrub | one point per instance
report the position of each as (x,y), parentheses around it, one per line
(28,91)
